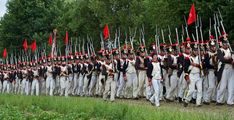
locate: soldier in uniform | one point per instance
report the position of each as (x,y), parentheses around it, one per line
(193,76)
(172,73)
(88,68)
(110,83)
(225,73)
(122,66)
(154,79)
(76,71)
(132,80)
(211,66)
(81,75)
(6,86)
(182,85)
(141,67)
(35,82)
(63,77)
(70,78)
(93,79)
(49,78)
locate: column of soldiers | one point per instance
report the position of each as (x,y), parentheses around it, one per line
(201,73)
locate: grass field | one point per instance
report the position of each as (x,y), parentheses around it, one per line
(31,107)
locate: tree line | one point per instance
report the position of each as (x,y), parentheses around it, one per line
(36,19)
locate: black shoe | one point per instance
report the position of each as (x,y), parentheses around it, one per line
(180,100)
(219,104)
(185,104)
(206,103)
(193,101)
(136,98)
(167,100)
(198,105)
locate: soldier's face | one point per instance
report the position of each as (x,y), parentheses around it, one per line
(225,46)
(142,54)
(195,52)
(213,48)
(187,50)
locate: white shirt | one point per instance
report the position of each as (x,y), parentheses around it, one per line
(131,66)
(156,72)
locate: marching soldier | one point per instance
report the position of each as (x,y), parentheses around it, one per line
(131,84)
(211,64)
(76,70)
(6,86)
(88,68)
(49,78)
(110,83)
(35,82)
(141,67)
(63,78)
(93,79)
(122,66)
(154,79)
(172,73)
(225,73)
(182,85)
(193,76)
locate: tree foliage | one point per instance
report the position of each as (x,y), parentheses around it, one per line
(36,19)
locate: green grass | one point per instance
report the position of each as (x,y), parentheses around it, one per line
(31,107)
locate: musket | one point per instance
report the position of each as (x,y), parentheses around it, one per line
(83,49)
(201,31)
(143,39)
(102,41)
(119,43)
(169,35)
(199,52)
(216,34)
(177,40)
(186,27)
(221,23)
(76,45)
(217,24)
(210,27)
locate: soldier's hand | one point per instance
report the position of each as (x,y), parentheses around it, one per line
(125,77)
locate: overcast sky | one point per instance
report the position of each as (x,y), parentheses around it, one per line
(2,7)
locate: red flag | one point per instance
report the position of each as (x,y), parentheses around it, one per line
(25,44)
(50,40)
(66,38)
(4,54)
(34,46)
(192,15)
(106,32)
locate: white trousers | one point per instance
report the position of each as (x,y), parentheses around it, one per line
(209,86)
(50,85)
(62,85)
(227,82)
(121,86)
(6,86)
(195,82)
(75,83)
(156,96)
(81,83)
(131,85)
(101,84)
(182,85)
(143,82)
(35,87)
(110,86)
(173,84)
(92,84)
